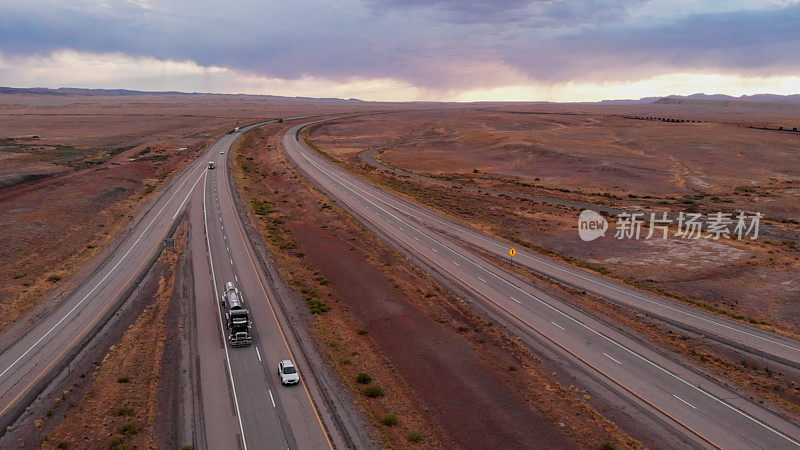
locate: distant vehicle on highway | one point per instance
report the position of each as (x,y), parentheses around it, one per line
(211,165)
(237,318)
(221,152)
(288,372)
(236,129)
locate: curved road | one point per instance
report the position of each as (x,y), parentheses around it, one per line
(704,411)
(243,403)
(742,336)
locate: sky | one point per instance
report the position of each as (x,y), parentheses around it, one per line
(394,50)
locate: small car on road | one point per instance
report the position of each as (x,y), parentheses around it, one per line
(288,372)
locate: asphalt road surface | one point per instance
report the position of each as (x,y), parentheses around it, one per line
(704,411)
(243,400)
(243,403)
(742,336)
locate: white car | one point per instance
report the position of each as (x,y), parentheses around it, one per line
(221,153)
(288,372)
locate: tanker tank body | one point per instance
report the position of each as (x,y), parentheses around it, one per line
(237,317)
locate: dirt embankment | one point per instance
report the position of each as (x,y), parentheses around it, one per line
(74,169)
(753,281)
(128,388)
(768,383)
(448,377)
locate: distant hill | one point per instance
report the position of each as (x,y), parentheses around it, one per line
(66,91)
(772,98)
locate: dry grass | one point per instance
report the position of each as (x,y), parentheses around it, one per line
(120,408)
(351,352)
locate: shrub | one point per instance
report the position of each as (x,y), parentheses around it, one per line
(363,332)
(415,436)
(54,279)
(262,207)
(123,379)
(117,442)
(124,411)
(63,444)
(130,427)
(389,420)
(364,378)
(373,391)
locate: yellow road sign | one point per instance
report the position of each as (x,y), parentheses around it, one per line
(512,252)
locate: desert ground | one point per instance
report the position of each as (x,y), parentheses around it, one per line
(607,155)
(77,168)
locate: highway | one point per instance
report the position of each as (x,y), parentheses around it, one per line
(244,404)
(742,336)
(257,412)
(704,411)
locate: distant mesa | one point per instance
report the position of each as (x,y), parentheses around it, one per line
(67,91)
(672,99)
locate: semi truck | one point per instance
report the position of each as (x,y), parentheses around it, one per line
(237,318)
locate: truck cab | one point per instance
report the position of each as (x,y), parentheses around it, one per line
(237,318)
(211,165)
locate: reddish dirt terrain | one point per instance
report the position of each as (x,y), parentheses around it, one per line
(466,399)
(592,154)
(76,169)
(442,366)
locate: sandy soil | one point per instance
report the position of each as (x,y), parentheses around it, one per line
(596,154)
(74,169)
(463,379)
(749,279)
(120,409)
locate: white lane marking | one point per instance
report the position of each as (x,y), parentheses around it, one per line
(236,278)
(437,251)
(341,181)
(482,279)
(272,398)
(457,264)
(180,207)
(684,401)
(258,353)
(512,298)
(612,358)
(144,232)
(222,325)
(231,260)
(415,237)
(559,326)
(540,260)
(227,248)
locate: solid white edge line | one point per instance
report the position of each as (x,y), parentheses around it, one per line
(643,358)
(222,325)
(101,280)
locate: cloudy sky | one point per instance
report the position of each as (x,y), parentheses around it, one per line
(460,50)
